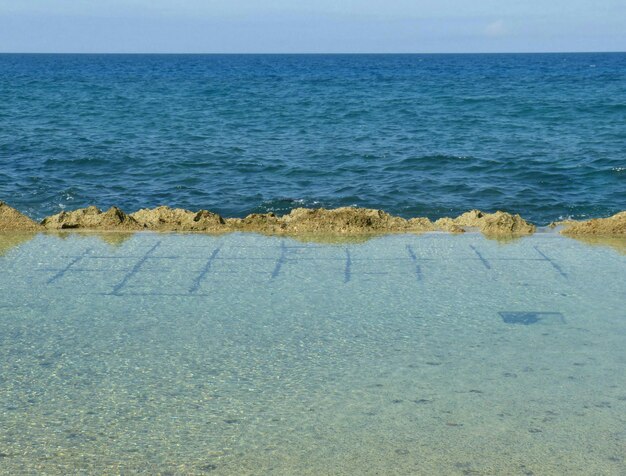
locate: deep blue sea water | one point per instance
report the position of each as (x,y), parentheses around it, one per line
(543,135)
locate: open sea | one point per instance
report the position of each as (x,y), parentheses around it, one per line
(543,135)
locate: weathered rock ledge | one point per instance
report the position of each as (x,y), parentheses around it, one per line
(611,226)
(346,221)
(301,221)
(92,218)
(498,223)
(12,220)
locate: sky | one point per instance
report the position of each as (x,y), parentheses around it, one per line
(318,26)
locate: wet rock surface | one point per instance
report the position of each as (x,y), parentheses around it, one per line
(177,219)
(491,224)
(449,225)
(502,223)
(12,220)
(257,222)
(611,226)
(345,221)
(91,218)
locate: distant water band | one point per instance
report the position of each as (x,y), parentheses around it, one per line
(414,135)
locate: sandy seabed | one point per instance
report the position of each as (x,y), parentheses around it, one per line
(190,353)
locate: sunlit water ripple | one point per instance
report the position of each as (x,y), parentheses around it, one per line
(428,135)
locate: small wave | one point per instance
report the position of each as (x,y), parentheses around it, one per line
(450,133)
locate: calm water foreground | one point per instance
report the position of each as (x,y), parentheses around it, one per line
(241,354)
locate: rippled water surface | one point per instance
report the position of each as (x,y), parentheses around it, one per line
(429,135)
(241,354)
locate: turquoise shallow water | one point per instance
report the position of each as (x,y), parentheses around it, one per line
(242,354)
(542,135)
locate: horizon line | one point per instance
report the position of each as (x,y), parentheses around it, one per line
(309,53)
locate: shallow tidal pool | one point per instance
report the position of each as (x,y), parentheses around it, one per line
(242,354)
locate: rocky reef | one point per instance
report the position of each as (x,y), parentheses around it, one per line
(611,226)
(300,221)
(348,220)
(178,219)
(345,221)
(92,218)
(12,220)
(498,223)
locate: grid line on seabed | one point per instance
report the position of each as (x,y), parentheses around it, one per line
(413,256)
(554,264)
(481,257)
(62,271)
(118,287)
(287,254)
(347,273)
(205,270)
(282,258)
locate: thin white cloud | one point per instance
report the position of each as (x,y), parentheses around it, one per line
(496,29)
